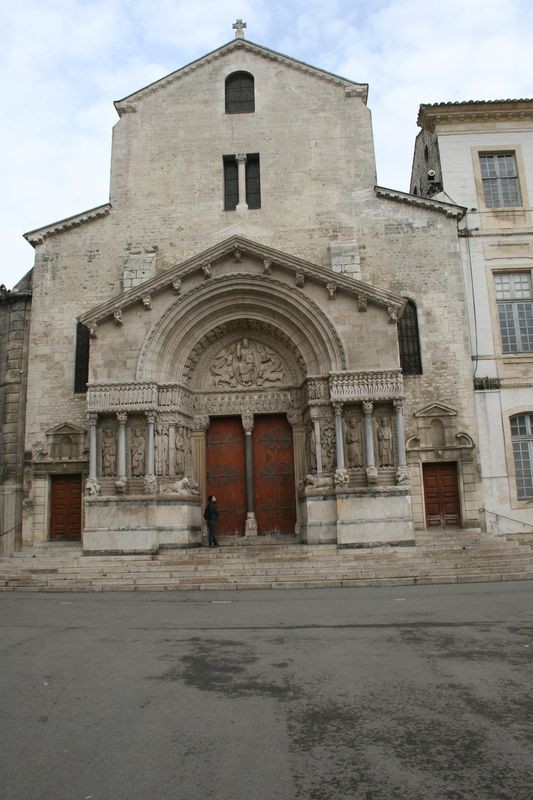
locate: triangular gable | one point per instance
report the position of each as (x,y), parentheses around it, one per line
(65,429)
(127,104)
(239,246)
(436,410)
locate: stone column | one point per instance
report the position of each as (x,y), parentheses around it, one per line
(339,437)
(341,473)
(315,418)
(91,485)
(371,471)
(200,426)
(120,483)
(150,484)
(298,442)
(251,522)
(402,474)
(241,166)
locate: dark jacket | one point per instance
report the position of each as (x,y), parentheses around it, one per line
(211,512)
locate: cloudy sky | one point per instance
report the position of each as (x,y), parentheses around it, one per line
(65,61)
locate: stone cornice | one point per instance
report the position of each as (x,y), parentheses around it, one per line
(238,246)
(449,209)
(127,104)
(432,115)
(38,235)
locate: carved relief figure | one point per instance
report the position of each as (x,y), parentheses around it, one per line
(327,430)
(137,454)
(161,450)
(109,453)
(311,448)
(385,444)
(180,451)
(354,443)
(246,363)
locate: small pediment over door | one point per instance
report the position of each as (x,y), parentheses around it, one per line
(436,410)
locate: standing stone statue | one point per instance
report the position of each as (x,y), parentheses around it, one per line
(354,443)
(109,453)
(180,452)
(137,454)
(161,450)
(385,444)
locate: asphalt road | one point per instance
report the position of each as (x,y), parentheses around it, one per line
(416,693)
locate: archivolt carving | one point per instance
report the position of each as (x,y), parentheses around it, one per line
(281,294)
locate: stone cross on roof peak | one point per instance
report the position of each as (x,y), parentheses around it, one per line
(238,27)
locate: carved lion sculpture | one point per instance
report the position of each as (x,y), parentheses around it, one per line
(318,482)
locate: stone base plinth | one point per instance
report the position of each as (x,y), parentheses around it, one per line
(374,518)
(135,524)
(318,518)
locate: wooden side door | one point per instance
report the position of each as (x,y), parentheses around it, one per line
(65,508)
(441,494)
(273,470)
(226,473)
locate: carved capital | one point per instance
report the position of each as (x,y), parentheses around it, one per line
(341,478)
(368,406)
(151,417)
(338,405)
(398,404)
(294,417)
(92,487)
(371,475)
(200,422)
(247,423)
(92,418)
(240,158)
(402,476)
(315,412)
(150,484)
(122,417)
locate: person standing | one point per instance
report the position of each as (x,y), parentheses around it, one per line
(211,515)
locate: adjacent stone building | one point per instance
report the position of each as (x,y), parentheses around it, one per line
(480,154)
(249,316)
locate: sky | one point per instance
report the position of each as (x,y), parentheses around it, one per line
(64,62)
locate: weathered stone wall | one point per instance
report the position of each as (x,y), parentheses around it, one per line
(15,314)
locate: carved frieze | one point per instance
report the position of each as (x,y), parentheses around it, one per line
(111,397)
(246,364)
(317,389)
(375,385)
(265,402)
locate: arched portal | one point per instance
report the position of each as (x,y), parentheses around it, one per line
(238,351)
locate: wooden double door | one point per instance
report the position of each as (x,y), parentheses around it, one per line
(65,508)
(441,495)
(272,478)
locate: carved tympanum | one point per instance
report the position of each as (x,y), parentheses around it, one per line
(245,364)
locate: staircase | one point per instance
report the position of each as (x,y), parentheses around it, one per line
(439,557)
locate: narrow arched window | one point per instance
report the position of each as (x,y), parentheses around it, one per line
(81,364)
(409,341)
(240,94)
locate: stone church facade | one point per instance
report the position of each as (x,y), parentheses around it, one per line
(233,322)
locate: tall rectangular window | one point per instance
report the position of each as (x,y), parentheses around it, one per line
(500,180)
(81,365)
(522,438)
(231,183)
(253,181)
(515,311)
